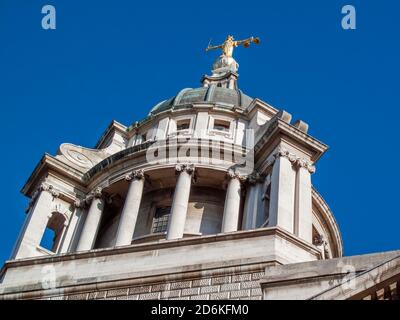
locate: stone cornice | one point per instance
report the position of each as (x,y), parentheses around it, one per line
(49,163)
(113,126)
(106,163)
(244,234)
(190,108)
(368,282)
(277,127)
(259,104)
(306,271)
(171,274)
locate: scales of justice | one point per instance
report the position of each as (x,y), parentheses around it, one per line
(226,62)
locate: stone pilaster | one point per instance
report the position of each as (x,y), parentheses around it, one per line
(35,223)
(283,185)
(303,207)
(253,207)
(291,200)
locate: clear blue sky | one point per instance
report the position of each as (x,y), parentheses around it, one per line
(116,59)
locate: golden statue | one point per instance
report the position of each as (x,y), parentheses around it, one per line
(230,43)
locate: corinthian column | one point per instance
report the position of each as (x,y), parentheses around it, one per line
(230,219)
(89,232)
(176,225)
(130,211)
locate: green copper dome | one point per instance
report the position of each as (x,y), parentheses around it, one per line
(211,94)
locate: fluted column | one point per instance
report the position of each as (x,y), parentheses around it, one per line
(130,211)
(230,218)
(303,208)
(176,224)
(92,223)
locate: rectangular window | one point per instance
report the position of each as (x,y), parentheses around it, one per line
(160,221)
(222,125)
(182,125)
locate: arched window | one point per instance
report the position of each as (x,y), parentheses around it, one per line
(53,234)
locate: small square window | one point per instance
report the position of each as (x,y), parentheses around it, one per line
(182,125)
(222,125)
(161,218)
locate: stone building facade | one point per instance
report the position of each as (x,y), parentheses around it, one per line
(208,197)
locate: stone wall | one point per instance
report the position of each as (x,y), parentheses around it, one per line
(245,286)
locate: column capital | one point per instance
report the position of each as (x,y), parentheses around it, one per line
(303,163)
(49,188)
(285,154)
(96,193)
(188,168)
(135,175)
(255,177)
(42,187)
(80,203)
(295,160)
(231,174)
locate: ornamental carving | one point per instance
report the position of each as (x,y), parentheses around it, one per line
(294,159)
(80,203)
(42,187)
(49,188)
(77,155)
(302,163)
(188,168)
(97,193)
(135,175)
(231,174)
(255,178)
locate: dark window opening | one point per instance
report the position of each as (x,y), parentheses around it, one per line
(161,218)
(182,125)
(52,236)
(221,125)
